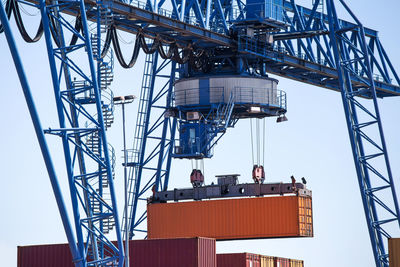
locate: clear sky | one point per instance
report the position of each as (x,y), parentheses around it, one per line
(313,143)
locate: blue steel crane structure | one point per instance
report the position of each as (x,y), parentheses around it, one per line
(206,38)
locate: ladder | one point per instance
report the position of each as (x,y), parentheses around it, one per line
(136,154)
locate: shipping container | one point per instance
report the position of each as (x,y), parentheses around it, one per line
(227,219)
(254,260)
(238,260)
(281,262)
(267,261)
(296,263)
(44,256)
(188,252)
(394,252)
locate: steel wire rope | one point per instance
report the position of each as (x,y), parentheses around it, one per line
(251,138)
(258,140)
(264,133)
(27,13)
(202,168)
(123,40)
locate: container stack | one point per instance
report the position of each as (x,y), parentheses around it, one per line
(185,233)
(255,260)
(185,252)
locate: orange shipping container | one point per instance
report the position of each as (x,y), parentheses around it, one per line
(296,263)
(267,261)
(394,252)
(243,218)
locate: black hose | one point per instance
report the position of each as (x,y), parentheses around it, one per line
(78,28)
(118,52)
(107,43)
(170,52)
(53,30)
(146,48)
(21,26)
(198,60)
(186,53)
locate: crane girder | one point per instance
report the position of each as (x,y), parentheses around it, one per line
(305,44)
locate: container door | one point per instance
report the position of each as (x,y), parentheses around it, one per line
(249,260)
(269,262)
(263,261)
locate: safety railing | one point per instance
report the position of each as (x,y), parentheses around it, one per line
(246,44)
(268,9)
(260,96)
(166,13)
(242,95)
(198,96)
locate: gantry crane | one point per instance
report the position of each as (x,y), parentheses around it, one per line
(197,40)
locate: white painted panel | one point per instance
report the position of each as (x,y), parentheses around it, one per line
(244,89)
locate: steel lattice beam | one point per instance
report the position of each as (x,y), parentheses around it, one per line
(367,149)
(73,103)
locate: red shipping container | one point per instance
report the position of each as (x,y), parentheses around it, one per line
(187,252)
(281,262)
(238,260)
(45,256)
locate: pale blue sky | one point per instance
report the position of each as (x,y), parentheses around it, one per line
(313,143)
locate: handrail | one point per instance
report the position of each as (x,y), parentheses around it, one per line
(243,95)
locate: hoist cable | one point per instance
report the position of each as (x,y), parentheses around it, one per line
(252,143)
(258,140)
(264,133)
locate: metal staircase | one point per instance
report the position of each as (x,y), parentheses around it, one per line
(220,120)
(105,72)
(224,113)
